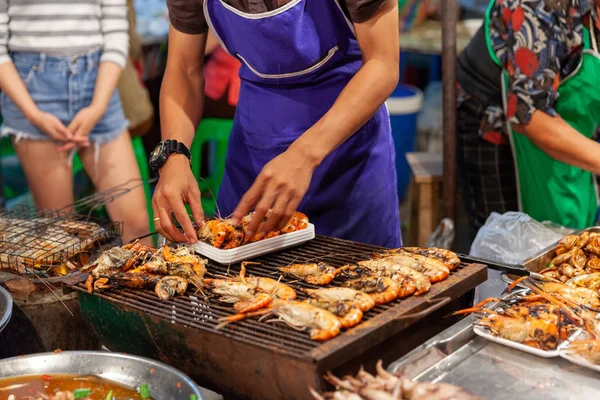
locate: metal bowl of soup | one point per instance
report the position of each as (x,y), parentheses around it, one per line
(96,369)
(6,305)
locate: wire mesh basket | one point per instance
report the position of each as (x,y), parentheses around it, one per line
(52,243)
(45,242)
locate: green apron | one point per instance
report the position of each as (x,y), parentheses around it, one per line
(550,190)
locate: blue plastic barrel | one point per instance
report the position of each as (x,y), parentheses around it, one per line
(404,105)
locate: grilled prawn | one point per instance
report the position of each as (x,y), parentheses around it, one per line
(381,290)
(216,232)
(323,325)
(589,281)
(390,268)
(274,288)
(361,299)
(245,297)
(315,274)
(449,258)
(349,313)
(539,333)
(588,349)
(578,295)
(169,286)
(433,269)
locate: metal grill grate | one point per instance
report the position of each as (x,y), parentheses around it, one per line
(196,311)
(33,242)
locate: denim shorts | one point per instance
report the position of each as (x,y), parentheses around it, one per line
(61,86)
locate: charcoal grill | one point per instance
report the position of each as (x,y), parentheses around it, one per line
(255,360)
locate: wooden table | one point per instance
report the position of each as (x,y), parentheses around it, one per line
(427,171)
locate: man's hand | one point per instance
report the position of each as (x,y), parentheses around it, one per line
(177,187)
(280,186)
(81,126)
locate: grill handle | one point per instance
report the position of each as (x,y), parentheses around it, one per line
(434,305)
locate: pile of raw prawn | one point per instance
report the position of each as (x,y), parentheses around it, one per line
(167,271)
(222,234)
(385,385)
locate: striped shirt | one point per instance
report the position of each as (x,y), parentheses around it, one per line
(64,27)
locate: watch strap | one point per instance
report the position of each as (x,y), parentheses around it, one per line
(175,147)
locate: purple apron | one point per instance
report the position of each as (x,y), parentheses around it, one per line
(296,60)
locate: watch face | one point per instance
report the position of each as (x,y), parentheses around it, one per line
(156,156)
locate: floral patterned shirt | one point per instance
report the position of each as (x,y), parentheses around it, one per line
(539,43)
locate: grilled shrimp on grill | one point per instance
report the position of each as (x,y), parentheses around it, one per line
(381,290)
(361,299)
(315,274)
(323,325)
(245,297)
(169,286)
(390,268)
(349,313)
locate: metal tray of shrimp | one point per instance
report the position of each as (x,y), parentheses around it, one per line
(493,371)
(541,260)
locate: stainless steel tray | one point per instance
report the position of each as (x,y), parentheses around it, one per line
(495,372)
(540,261)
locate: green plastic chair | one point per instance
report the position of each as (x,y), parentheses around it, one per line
(211,130)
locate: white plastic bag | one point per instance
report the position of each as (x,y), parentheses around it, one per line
(430,120)
(510,238)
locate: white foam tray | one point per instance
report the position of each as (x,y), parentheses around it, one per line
(582,362)
(256,249)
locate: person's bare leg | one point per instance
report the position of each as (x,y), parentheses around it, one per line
(48,172)
(117,165)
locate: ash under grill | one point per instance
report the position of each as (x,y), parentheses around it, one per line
(198,312)
(33,241)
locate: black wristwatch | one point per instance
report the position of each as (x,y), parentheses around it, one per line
(161,153)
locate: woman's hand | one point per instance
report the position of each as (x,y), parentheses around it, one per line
(81,126)
(177,187)
(51,126)
(280,186)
